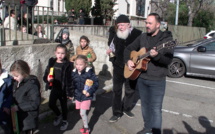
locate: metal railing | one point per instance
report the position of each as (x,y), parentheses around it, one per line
(37,15)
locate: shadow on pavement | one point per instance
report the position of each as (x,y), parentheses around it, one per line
(103,102)
(104,75)
(206,124)
(171,131)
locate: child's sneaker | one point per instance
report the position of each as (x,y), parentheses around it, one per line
(57,120)
(64,125)
(86,131)
(82,129)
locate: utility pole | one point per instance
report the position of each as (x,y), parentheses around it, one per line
(176,15)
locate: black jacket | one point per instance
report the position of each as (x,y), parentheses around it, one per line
(79,82)
(24,22)
(157,67)
(66,76)
(27,97)
(121,44)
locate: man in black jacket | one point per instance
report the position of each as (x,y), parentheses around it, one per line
(151,83)
(120,39)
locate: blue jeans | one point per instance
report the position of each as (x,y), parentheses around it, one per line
(151,95)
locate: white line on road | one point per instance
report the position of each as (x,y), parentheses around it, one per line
(184,115)
(190,84)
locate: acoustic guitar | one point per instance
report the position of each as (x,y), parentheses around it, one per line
(141,59)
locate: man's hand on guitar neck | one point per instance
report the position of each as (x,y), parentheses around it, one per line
(153,52)
(130,65)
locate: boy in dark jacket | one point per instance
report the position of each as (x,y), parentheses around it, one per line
(6,91)
(63,38)
(60,84)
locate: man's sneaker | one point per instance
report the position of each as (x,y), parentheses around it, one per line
(114,118)
(145,131)
(64,125)
(86,131)
(57,120)
(36,131)
(129,114)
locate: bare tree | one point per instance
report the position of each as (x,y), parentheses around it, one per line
(160,7)
(194,6)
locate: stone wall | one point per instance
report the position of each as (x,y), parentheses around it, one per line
(181,33)
(37,55)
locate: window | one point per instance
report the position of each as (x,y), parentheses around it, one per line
(59,5)
(128,8)
(140,10)
(210,46)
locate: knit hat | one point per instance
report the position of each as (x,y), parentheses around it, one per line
(122,19)
(65,31)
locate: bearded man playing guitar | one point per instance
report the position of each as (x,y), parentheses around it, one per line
(151,82)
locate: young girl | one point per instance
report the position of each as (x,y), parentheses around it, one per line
(63,38)
(39,32)
(60,84)
(26,96)
(84,49)
(6,95)
(83,96)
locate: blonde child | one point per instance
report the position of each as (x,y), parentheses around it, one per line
(80,75)
(6,95)
(85,49)
(60,87)
(26,94)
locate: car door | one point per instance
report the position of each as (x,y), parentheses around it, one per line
(203,62)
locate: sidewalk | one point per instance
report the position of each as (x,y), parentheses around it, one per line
(98,117)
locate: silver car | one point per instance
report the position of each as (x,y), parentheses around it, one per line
(194,59)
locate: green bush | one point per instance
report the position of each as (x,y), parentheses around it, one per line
(48,19)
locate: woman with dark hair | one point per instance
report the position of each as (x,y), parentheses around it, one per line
(25,21)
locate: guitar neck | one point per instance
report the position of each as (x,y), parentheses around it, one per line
(158,48)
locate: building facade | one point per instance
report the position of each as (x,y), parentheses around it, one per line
(57,6)
(133,8)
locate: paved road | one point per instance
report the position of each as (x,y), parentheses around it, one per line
(188,108)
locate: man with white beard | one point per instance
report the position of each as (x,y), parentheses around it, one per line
(120,37)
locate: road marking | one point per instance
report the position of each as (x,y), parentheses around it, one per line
(184,115)
(177,113)
(183,83)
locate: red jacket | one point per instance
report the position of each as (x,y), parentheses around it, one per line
(22,1)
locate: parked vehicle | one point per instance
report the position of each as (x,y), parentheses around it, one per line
(195,59)
(209,35)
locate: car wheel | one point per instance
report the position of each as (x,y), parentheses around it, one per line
(176,69)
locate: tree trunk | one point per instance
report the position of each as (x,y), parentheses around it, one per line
(190,19)
(190,15)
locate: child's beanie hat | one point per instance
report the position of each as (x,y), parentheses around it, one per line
(65,31)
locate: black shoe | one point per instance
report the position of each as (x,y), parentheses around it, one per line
(114,118)
(145,131)
(129,114)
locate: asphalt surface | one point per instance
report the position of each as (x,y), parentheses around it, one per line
(188,108)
